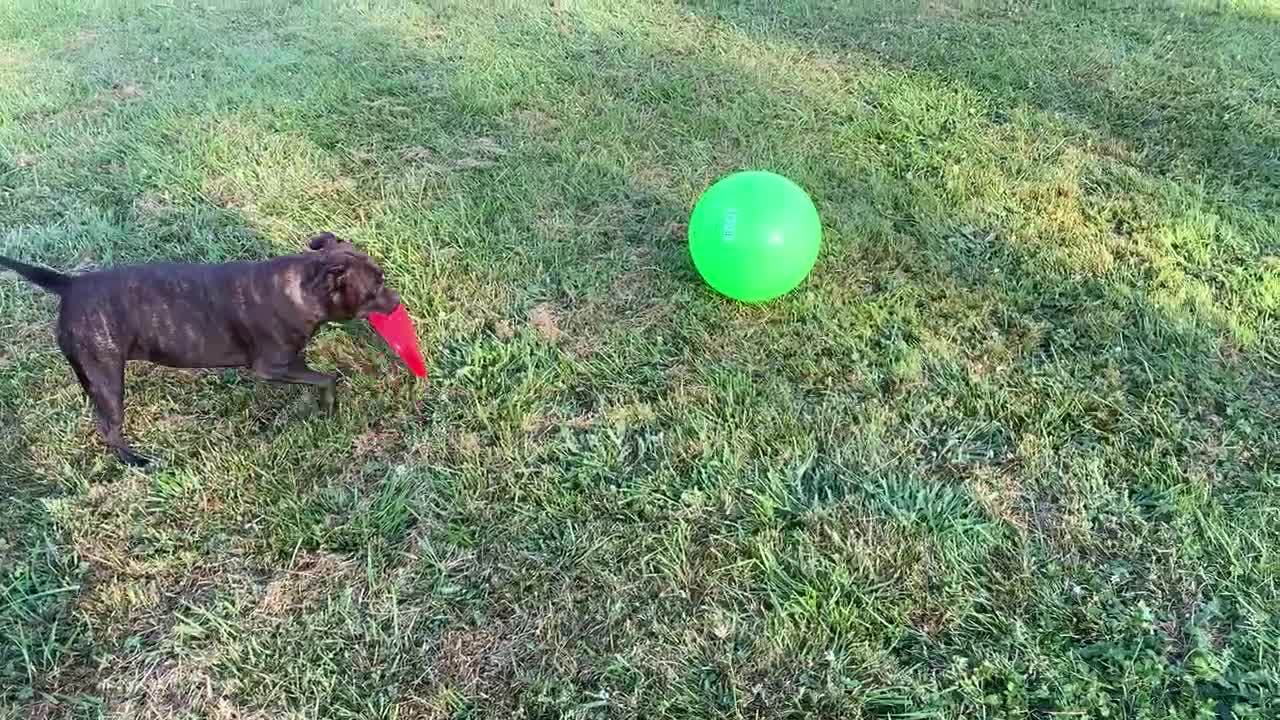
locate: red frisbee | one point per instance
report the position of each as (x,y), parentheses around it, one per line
(397,330)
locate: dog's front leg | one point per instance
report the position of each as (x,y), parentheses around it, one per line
(295,370)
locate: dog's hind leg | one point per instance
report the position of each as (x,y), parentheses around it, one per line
(103,382)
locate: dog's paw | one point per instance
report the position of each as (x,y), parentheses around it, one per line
(131,458)
(329,399)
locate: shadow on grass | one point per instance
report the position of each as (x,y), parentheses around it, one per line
(1188,95)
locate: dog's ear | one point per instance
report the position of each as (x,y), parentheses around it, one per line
(335,276)
(324,241)
(328,274)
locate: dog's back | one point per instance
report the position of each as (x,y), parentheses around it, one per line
(190,315)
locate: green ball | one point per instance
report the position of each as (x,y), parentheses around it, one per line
(754,236)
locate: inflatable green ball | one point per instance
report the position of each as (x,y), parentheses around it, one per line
(754,236)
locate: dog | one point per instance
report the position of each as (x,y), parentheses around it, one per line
(258,315)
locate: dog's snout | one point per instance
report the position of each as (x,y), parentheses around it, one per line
(390,300)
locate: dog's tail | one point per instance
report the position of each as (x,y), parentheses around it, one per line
(54,282)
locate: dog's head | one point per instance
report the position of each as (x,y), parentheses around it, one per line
(348,280)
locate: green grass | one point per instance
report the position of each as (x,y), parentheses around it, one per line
(1010,452)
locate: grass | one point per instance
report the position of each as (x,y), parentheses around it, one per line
(1010,452)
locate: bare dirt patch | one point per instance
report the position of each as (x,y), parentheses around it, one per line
(545,322)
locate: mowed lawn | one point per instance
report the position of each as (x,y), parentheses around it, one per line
(1011,451)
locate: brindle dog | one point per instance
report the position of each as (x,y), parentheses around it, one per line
(238,314)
